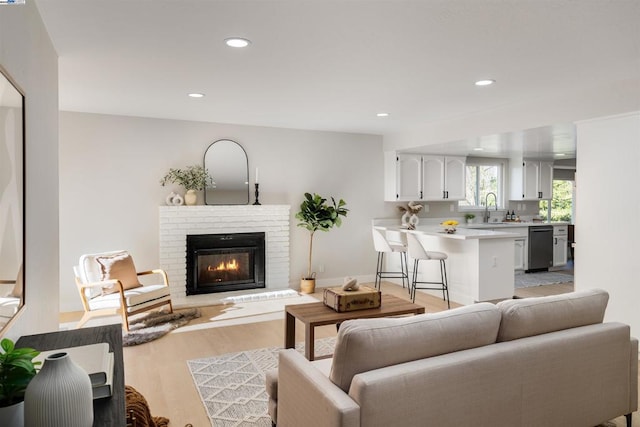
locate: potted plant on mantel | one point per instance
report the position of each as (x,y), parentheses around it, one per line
(193,178)
(317,214)
(16,371)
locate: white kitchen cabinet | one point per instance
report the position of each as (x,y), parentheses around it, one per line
(402,177)
(560,245)
(419,177)
(521,247)
(520,259)
(531,181)
(443,178)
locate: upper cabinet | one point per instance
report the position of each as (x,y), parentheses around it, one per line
(531,180)
(421,177)
(443,178)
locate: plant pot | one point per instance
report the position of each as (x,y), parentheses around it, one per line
(190,198)
(12,416)
(308,286)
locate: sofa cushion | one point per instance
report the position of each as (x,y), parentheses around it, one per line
(535,316)
(366,344)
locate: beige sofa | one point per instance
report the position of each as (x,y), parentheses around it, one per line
(547,361)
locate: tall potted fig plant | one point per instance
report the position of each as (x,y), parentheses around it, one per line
(316,213)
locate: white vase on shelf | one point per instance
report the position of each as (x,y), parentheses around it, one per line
(414,220)
(190,197)
(177,200)
(59,395)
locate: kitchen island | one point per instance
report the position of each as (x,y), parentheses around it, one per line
(480,264)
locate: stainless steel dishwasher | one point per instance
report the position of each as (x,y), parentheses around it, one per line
(540,247)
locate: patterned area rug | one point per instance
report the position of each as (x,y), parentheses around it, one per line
(526,280)
(232,386)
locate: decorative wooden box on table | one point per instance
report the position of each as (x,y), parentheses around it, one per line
(350,300)
(107,412)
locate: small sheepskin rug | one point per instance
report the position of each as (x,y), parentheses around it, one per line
(151,326)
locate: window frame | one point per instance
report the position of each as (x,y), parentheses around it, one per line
(486,161)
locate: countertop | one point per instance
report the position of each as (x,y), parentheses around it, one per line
(509,224)
(462,233)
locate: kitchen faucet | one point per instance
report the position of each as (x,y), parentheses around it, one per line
(486,206)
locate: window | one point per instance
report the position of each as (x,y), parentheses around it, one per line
(482,176)
(561,207)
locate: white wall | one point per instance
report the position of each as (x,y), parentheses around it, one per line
(110,167)
(28,56)
(607,241)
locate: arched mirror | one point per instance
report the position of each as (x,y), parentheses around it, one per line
(11,200)
(226,161)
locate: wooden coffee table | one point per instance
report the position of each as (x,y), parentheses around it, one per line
(318,314)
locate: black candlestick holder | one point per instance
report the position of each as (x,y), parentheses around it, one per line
(257,194)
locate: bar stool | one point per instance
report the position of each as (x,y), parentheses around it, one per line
(382,245)
(419,253)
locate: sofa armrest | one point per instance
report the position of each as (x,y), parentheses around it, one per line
(633,396)
(306,397)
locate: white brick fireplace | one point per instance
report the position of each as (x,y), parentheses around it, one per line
(176,222)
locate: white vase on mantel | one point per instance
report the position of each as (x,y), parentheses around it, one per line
(190,198)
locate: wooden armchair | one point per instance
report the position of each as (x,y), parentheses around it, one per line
(108,285)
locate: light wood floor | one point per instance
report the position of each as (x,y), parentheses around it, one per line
(159,371)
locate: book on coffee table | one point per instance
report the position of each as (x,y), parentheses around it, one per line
(95,359)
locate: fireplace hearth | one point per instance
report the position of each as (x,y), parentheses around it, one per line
(225,262)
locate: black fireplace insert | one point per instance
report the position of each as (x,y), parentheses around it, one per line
(225,262)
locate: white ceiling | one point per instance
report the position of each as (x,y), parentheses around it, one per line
(333,64)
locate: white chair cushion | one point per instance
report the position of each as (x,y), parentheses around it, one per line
(436,255)
(9,306)
(136,299)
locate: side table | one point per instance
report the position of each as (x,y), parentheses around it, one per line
(107,412)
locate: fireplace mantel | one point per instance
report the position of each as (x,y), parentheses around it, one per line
(178,221)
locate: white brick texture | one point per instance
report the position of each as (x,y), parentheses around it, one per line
(178,221)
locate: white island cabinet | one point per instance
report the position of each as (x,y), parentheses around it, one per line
(480,263)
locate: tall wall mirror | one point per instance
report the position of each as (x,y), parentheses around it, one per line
(11,199)
(227,163)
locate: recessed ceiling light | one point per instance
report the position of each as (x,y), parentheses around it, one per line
(478,149)
(196,95)
(382,114)
(237,42)
(560,154)
(485,82)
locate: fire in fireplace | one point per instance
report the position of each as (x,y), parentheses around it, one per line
(225,262)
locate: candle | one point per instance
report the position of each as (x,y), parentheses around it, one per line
(256,175)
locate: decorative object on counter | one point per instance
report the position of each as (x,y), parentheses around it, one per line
(17,369)
(317,214)
(449,226)
(192,179)
(60,395)
(469,217)
(410,216)
(257,202)
(350,284)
